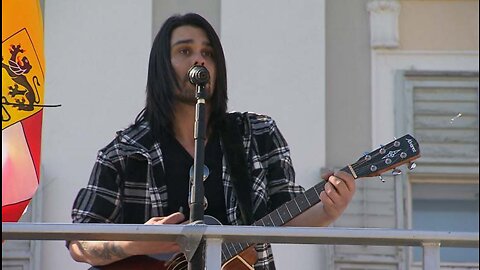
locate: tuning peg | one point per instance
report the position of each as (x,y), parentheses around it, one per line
(412,165)
(381,179)
(396,172)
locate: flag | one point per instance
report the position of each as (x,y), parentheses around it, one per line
(23,80)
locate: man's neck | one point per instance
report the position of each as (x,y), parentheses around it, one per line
(183,124)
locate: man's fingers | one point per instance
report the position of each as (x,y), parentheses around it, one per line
(332,191)
(343,178)
(174,218)
(325,199)
(326,175)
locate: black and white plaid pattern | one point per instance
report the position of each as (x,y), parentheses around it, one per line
(127,183)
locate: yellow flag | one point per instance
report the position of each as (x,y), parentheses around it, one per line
(23,69)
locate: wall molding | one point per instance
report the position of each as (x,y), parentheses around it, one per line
(384,23)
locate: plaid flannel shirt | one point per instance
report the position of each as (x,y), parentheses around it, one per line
(127,182)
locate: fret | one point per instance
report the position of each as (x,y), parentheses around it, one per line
(244,246)
(281,221)
(257,223)
(224,256)
(284,213)
(271,219)
(230,252)
(312,196)
(239,245)
(302,202)
(235,249)
(289,213)
(267,221)
(316,191)
(227,247)
(346,169)
(293,208)
(320,187)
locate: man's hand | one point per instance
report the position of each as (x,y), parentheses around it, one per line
(338,193)
(149,247)
(107,252)
(174,218)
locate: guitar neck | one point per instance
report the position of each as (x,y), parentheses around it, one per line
(295,207)
(281,215)
(395,153)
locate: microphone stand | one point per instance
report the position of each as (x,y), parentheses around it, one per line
(197,191)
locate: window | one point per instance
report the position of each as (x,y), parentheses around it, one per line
(441,110)
(446,207)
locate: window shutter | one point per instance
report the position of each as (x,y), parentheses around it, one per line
(444,117)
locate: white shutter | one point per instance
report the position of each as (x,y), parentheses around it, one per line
(444,118)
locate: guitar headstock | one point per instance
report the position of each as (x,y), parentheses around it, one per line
(385,158)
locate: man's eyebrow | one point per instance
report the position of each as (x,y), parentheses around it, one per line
(188,41)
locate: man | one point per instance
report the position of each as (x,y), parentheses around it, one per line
(142,176)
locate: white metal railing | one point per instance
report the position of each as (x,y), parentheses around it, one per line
(431,241)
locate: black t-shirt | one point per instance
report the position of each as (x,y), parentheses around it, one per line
(177,167)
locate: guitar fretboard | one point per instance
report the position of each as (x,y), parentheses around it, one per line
(280,216)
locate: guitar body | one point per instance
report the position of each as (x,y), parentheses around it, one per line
(241,256)
(243,261)
(140,262)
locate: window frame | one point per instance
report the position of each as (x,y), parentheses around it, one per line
(436,174)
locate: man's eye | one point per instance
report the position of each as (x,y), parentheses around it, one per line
(184,51)
(207,53)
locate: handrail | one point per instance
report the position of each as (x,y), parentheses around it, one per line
(431,241)
(298,235)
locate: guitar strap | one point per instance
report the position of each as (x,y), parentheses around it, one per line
(231,133)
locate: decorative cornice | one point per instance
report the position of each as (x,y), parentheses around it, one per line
(383,5)
(384,23)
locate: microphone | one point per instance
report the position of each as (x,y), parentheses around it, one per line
(198,75)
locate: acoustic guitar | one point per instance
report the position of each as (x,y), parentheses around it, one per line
(242,256)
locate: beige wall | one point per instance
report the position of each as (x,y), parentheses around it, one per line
(439,25)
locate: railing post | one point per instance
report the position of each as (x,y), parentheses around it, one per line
(214,254)
(431,256)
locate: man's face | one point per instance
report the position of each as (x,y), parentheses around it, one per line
(190,46)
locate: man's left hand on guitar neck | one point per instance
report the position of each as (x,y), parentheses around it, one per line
(338,193)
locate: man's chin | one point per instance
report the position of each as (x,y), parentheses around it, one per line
(191,97)
(186,101)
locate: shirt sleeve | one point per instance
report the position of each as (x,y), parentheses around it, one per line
(280,174)
(273,172)
(100,201)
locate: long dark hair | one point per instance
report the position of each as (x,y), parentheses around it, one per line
(161,80)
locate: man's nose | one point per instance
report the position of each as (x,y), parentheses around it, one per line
(199,59)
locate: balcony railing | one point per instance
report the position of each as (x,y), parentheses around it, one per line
(431,241)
